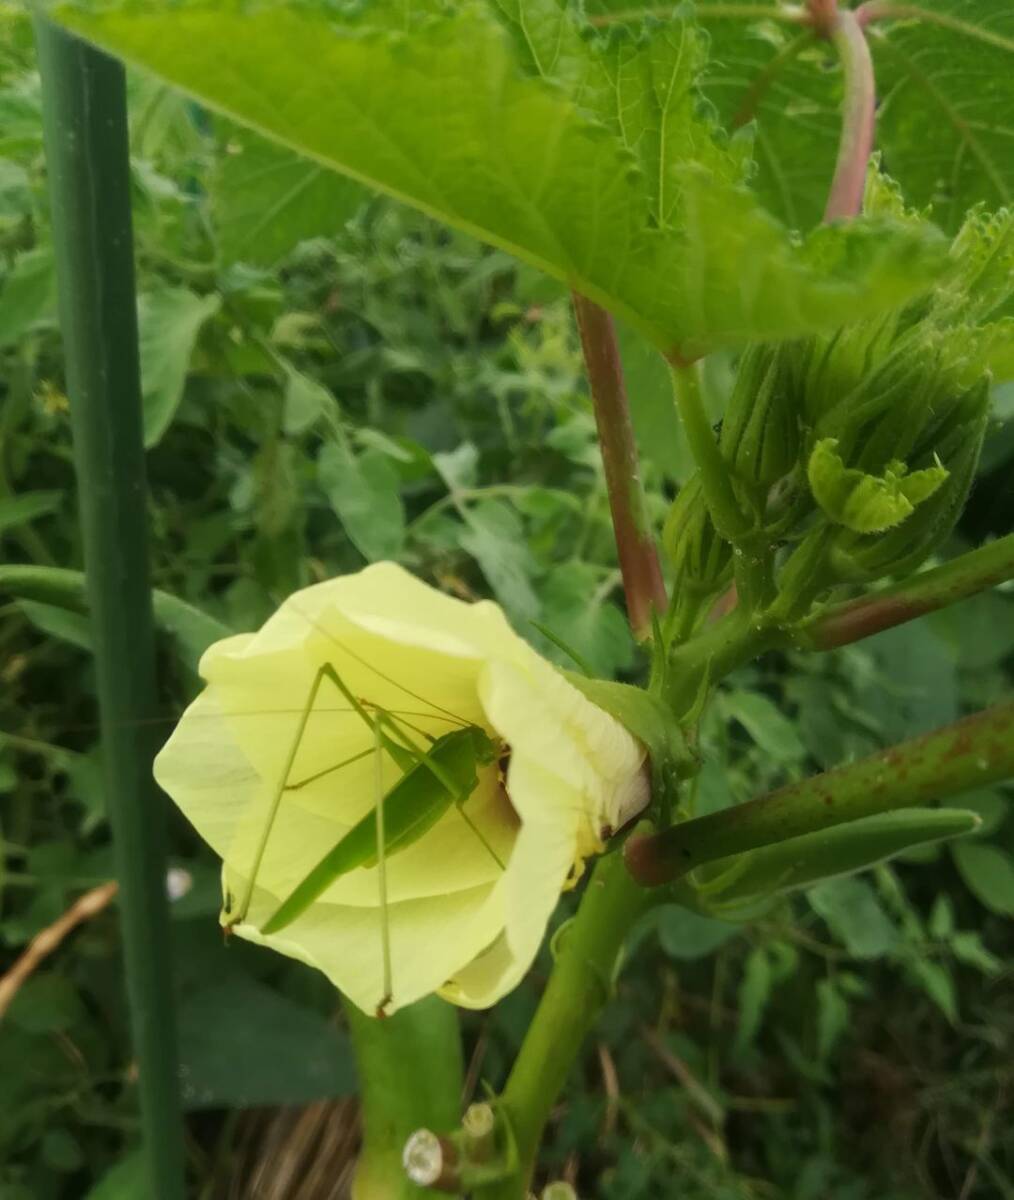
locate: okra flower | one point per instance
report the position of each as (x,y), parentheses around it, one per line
(469,900)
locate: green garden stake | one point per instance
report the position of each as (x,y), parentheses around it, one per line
(85,116)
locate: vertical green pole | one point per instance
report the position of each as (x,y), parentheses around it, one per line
(85,115)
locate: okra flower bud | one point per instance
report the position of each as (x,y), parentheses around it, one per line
(760,433)
(703,560)
(868,503)
(858,558)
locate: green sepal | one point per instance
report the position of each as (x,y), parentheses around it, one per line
(980,283)
(671,756)
(868,503)
(803,861)
(760,433)
(701,557)
(828,371)
(644,716)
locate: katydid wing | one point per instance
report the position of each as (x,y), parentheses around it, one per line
(411,808)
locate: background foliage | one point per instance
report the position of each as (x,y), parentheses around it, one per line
(392,390)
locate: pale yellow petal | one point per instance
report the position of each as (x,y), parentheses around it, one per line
(544,717)
(387,600)
(207,774)
(487,978)
(545,852)
(265,693)
(346,943)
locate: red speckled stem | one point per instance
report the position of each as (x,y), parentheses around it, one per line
(968,754)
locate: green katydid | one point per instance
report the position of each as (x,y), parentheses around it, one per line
(434,777)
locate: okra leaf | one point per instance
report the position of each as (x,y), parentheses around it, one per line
(445,110)
(787,82)
(267,198)
(945,78)
(944,84)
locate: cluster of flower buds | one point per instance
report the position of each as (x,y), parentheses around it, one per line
(869,437)
(890,460)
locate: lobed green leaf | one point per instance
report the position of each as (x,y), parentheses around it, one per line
(636,206)
(267,198)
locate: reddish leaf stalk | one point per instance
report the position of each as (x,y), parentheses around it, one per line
(968,754)
(965,576)
(876,10)
(846,196)
(639,565)
(822,16)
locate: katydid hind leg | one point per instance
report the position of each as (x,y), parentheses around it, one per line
(385,926)
(360,845)
(415,802)
(276,799)
(459,804)
(328,672)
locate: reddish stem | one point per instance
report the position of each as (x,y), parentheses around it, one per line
(639,565)
(822,15)
(964,576)
(858,118)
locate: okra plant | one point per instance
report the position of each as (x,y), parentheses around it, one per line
(400,788)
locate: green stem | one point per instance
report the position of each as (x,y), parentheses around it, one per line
(410,1076)
(578,988)
(712,654)
(846,196)
(85,125)
(635,543)
(730,521)
(968,754)
(586,962)
(965,576)
(802,577)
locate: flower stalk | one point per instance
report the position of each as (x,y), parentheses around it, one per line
(410,1071)
(635,543)
(578,988)
(730,521)
(965,576)
(970,753)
